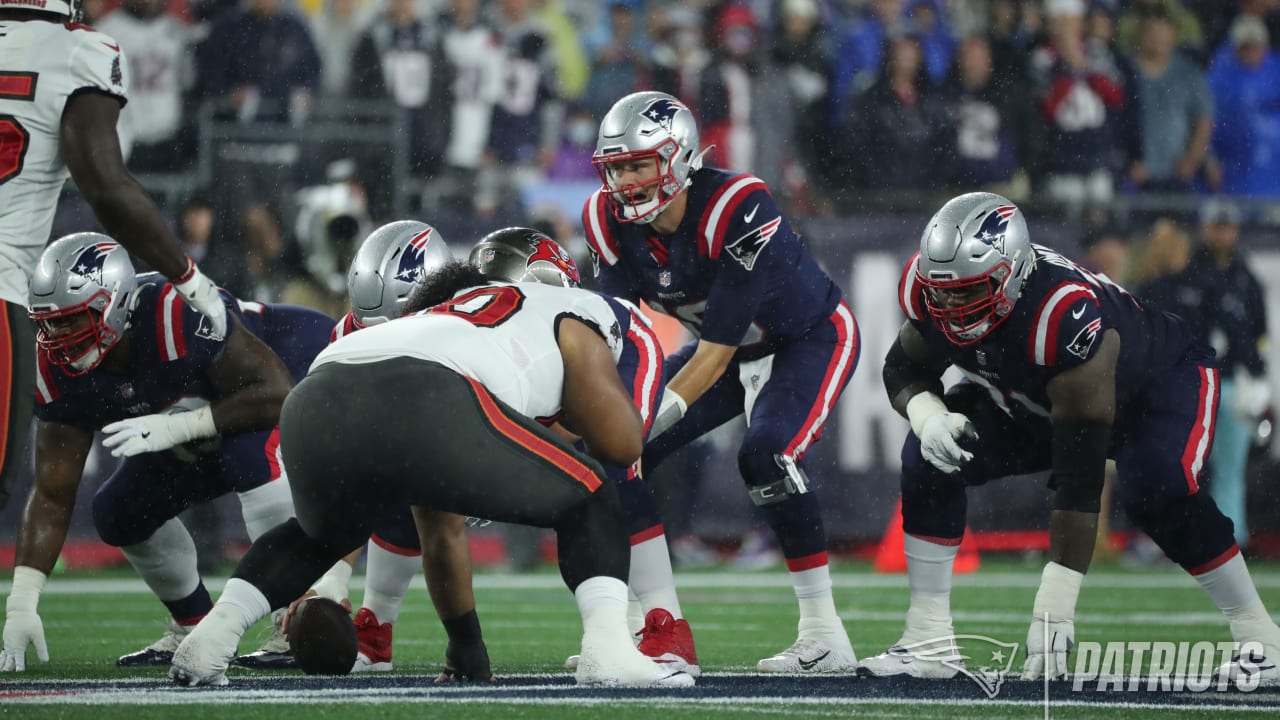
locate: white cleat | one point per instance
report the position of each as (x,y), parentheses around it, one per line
(625,667)
(929,660)
(571,662)
(204,654)
(1250,670)
(822,647)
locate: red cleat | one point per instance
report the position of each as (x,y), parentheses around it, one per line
(669,641)
(373,640)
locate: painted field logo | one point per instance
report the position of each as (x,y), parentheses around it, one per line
(983,660)
(1171,667)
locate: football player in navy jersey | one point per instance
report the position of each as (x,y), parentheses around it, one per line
(1062,369)
(190,410)
(775,339)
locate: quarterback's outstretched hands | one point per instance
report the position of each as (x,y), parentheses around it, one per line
(202,294)
(153,433)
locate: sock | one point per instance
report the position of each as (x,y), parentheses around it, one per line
(243,602)
(602,602)
(651,578)
(166,562)
(1230,586)
(813,591)
(387,576)
(929,576)
(635,617)
(265,507)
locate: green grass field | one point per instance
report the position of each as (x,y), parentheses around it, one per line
(531,625)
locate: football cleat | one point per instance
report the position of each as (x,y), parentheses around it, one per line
(930,660)
(669,642)
(373,641)
(203,655)
(625,667)
(823,647)
(1249,669)
(158,653)
(275,654)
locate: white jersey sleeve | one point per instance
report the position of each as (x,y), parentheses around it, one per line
(502,335)
(42,65)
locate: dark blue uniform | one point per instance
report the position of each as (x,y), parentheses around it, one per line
(735,273)
(1167,391)
(171,350)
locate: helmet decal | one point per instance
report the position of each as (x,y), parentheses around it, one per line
(662,111)
(410,269)
(87,266)
(992,230)
(548,250)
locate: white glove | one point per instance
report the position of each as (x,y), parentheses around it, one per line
(1053,627)
(335,583)
(939,431)
(153,433)
(202,294)
(22,626)
(673,408)
(1252,395)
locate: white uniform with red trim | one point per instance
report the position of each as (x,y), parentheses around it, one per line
(483,333)
(42,64)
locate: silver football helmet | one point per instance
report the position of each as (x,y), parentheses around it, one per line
(389,264)
(80,299)
(518,254)
(975,257)
(639,127)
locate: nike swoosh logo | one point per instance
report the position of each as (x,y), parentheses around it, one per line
(146,435)
(1078,313)
(808,664)
(751,215)
(113,47)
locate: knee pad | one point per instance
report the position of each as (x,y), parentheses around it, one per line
(120,522)
(772,478)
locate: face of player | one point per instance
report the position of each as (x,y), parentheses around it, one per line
(72,341)
(635,177)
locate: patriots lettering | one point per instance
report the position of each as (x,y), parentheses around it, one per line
(747,248)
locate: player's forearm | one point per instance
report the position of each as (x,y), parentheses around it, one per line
(707,365)
(128,215)
(446,562)
(1072,536)
(44,530)
(250,409)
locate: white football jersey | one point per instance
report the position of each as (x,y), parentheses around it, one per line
(42,64)
(502,335)
(159,60)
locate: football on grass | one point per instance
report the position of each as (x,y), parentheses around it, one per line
(322,637)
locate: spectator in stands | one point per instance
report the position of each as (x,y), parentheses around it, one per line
(1011,41)
(336,26)
(204,241)
(1246,131)
(1176,107)
(573,158)
(729,91)
(620,66)
(401,58)
(157,44)
(1186,28)
(899,128)
(989,125)
(1165,254)
(529,114)
(262,60)
(1080,89)
(478,66)
(679,53)
(801,51)
(860,52)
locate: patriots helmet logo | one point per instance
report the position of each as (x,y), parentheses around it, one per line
(86,269)
(662,111)
(992,230)
(548,251)
(410,268)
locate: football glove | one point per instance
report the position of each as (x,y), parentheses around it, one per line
(202,294)
(940,431)
(1053,629)
(153,433)
(466,661)
(22,625)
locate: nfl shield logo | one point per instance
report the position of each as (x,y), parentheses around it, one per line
(664,278)
(489,254)
(981,357)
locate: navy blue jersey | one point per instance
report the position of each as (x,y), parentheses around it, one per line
(734,272)
(1057,324)
(171,348)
